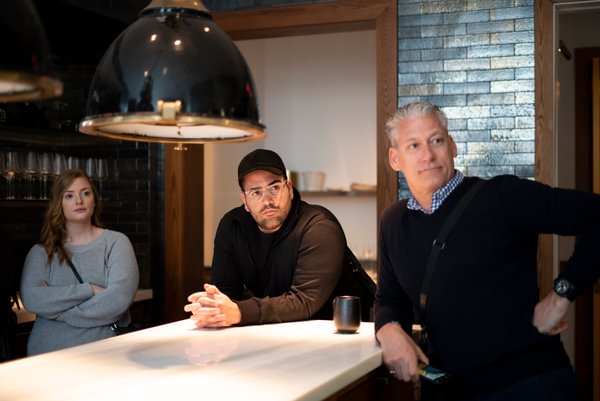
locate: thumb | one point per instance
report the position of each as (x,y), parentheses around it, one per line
(211,289)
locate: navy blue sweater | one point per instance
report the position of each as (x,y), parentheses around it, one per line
(484,287)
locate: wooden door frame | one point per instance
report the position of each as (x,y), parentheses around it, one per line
(544,124)
(331,17)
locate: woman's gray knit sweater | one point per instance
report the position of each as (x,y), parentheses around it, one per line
(67,311)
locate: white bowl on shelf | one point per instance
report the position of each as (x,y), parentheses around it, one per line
(313,181)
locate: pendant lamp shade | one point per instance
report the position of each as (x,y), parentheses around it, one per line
(173,76)
(25,64)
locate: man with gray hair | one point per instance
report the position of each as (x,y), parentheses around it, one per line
(470,279)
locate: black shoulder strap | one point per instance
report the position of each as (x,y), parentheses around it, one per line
(439,243)
(75,272)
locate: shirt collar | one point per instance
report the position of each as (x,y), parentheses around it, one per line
(439,196)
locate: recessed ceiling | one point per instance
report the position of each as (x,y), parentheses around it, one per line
(81,32)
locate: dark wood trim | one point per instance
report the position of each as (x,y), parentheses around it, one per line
(183,227)
(375,385)
(338,16)
(154,317)
(387,103)
(544,124)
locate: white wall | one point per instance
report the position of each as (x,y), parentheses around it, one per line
(317,97)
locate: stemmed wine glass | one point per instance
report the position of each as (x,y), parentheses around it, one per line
(31,171)
(101,173)
(74,163)
(114,170)
(3,187)
(10,168)
(45,172)
(90,168)
(59,164)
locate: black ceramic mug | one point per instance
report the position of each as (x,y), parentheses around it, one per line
(346,313)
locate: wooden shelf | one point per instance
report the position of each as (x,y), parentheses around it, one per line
(46,137)
(338,193)
(42,203)
(23,203)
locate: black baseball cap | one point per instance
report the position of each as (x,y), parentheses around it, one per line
(260,159)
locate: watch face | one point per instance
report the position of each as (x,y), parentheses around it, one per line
(562,286)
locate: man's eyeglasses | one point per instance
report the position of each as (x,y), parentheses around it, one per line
(274,190)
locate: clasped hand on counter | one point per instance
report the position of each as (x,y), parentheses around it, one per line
(212,308)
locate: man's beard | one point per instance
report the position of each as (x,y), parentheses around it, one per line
(270,223)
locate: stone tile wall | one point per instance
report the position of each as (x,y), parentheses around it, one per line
(475,59)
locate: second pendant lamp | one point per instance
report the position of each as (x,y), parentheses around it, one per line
(25,61)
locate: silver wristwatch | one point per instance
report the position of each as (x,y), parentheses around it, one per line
(564,288)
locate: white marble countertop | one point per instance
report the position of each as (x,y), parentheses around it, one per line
(279,362)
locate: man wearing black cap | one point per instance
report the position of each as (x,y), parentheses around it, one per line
(276,258)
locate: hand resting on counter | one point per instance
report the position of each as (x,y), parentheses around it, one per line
(212,308)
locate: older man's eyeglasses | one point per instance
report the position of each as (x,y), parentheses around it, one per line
(274,190)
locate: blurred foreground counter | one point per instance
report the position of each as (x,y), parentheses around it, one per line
(288,361)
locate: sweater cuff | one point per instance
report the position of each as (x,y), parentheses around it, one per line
(249,311)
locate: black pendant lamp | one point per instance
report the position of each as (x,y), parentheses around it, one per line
(25,64)
(173,76)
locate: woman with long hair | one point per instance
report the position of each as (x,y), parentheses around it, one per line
(81,278)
